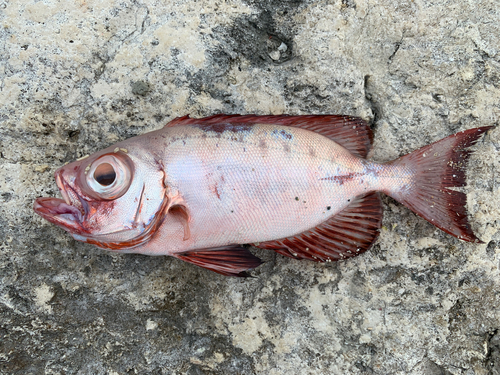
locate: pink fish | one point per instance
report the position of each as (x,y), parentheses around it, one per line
(299,185)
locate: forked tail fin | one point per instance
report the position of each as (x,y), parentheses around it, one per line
(436,168)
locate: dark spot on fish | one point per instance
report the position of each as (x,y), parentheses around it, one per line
(348,200)
(328,207)
(341,179)
(262,143)
(296,198)
(373,170)
(221,128)
(232,211)
(215,190)
(312,152)
(286,147)
(282,134)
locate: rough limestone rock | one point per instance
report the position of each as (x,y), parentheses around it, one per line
(76,76)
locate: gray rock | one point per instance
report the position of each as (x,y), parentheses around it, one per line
(420,302)
(140,88)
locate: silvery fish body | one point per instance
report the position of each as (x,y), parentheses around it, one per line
(299,185)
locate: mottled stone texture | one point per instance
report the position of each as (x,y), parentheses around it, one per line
(76,76)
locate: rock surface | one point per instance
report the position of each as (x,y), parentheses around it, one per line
(76,76)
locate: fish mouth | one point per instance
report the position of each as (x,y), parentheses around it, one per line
(68,213)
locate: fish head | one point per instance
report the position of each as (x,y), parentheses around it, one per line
(115,199)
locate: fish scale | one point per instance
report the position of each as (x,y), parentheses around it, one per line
(282,175)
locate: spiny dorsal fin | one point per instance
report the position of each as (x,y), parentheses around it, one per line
(347,234)
(231,260)
(352,133)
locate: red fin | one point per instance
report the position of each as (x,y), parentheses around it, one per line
(230,260)
(347,234)
(438,167)
(181,213)
(352,133)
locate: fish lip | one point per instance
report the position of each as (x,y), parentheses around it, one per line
(69,212)
(58,212)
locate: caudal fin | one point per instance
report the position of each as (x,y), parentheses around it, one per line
(436,168)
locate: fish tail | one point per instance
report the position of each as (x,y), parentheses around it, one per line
(424,177)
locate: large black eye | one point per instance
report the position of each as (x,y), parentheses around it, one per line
(108,177)
(104,174)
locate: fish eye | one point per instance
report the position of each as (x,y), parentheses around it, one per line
(105,174)
(109,176)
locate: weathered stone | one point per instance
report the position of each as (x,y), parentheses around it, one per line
(419,302)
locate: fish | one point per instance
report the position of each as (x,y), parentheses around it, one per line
(205,190)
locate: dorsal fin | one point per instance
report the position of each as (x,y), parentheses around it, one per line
(352,133)
(347,234)
(231,260)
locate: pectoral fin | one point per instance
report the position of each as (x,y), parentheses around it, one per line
(230,260)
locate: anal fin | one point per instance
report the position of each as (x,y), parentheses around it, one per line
(347,234)
(230,260)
